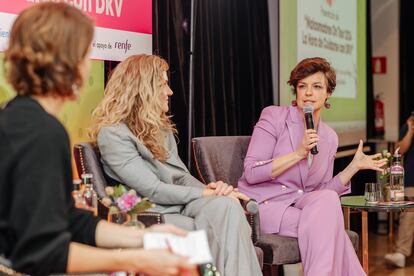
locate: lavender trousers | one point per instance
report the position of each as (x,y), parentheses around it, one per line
(316,219)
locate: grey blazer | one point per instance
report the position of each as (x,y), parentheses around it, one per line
(169,185)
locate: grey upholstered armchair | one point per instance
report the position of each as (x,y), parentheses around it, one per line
(87,159)
(221,158)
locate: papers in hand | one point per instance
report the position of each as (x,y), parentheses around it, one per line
(194,245)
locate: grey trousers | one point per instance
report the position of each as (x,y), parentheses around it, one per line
(227,230)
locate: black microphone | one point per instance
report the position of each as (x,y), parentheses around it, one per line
(308,110)
(250,206)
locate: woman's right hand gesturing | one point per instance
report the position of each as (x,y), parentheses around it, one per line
(361,161)
(309,140)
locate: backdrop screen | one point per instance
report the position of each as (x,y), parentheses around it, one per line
(335,30)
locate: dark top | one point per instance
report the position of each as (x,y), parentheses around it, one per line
(38,219)
(408,160)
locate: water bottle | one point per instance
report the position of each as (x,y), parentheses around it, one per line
(397,178)
(77,193)
(89,194)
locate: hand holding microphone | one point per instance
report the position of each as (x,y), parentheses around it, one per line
(224,189)
(310,138)
(249,205)
(308,110)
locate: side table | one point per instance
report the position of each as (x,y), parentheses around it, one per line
(358,204)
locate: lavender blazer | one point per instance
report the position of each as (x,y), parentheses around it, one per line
(279,131)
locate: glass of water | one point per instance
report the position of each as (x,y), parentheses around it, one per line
(373,193)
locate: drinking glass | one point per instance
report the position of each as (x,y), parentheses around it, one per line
(373,193)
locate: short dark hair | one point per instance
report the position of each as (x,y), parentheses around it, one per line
(310,66)
(47,43)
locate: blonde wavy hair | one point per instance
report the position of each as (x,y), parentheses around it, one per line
(132,96)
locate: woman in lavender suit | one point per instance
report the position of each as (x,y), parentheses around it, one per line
(297,193)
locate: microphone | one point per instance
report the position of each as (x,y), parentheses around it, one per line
(308,110)
(250,206)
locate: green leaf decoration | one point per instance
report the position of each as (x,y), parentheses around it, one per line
(119,190)
(142,206)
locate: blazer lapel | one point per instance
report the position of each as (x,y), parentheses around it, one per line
(173,158)
(171,146)
(296,129)
(174,161)
(142,149)
(323,151)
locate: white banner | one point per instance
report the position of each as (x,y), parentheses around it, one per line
(327,28)
(108,44)
(117,45)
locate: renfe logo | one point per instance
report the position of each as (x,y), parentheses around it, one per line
(329,2)
(123,46)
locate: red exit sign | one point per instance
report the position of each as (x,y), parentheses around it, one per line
(379,65)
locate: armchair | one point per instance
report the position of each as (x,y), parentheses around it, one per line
(222,158)
(87,159)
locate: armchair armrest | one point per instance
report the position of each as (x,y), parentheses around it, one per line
(151,218)
(254,222)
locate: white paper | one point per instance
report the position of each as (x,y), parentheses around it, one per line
(194,245)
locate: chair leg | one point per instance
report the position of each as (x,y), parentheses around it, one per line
(271,270)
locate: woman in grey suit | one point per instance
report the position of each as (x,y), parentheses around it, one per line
(136,140)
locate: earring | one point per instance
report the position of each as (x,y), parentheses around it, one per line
(75,90)
(327,105)
(294,103)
